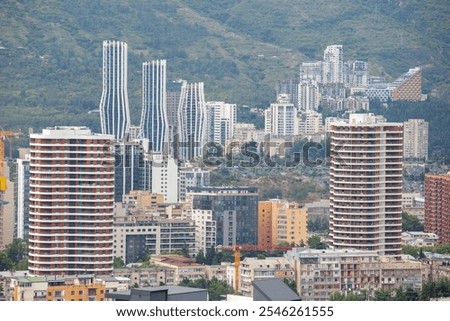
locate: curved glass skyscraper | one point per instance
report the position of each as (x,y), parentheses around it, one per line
(154,124)
(114,109)
(192,121)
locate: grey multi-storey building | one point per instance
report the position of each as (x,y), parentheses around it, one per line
(129,169)
(235,210)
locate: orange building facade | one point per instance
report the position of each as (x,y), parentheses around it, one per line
(81,288)
(281,222)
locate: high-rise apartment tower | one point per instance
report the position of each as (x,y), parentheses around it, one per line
(71,202)
(366,184)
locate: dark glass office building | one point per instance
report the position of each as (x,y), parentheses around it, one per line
(235,210)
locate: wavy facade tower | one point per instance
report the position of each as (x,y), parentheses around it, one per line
(71,202)
(114,109)
(192,121)
(154,124)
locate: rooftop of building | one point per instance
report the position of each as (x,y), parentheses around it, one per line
(436,256)
(69,132)
(171,290)
(319,203)
(108,278)
(406,76)
(273,289)
(420,234)
(174,260)
(53,279)
(305,252)
(362,119)
(223,189)
(440,176)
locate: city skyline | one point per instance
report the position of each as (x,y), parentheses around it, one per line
(179,211)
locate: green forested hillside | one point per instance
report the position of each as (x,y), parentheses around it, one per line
(50,50)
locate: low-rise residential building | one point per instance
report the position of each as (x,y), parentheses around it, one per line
(402,273)
(183,267)
(320,273)
(244,132)
(319,210)
(435,266)
(137,237)
(218,271)
(73,288)
(149,204)
(419,239)
(151,276)
(252,269)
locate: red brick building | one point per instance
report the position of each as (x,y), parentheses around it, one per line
(437,206)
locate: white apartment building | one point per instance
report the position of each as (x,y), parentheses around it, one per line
(220,121)
(312,70)
(164,177)
(135,237)
(281,119)
(356,73)
(333,66)
(205,229)
(308,95)
(190,176)
(114,108)
(415,139)
(310,123)
(22,197)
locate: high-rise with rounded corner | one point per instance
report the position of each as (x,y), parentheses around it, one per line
(114,109)
(366,159)
(71,202)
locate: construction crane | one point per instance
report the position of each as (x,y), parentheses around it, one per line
(3,136)
(248,247)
